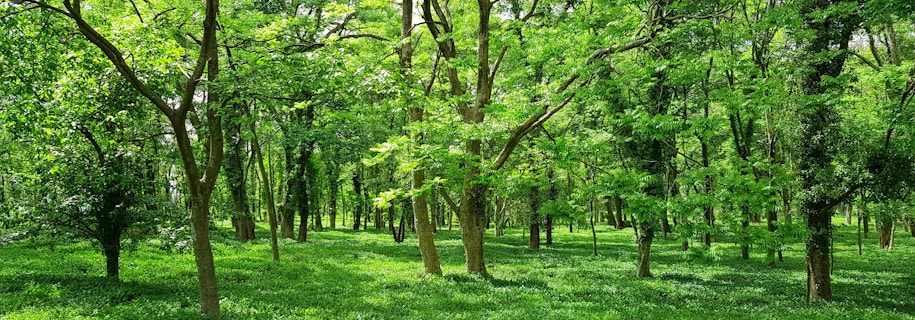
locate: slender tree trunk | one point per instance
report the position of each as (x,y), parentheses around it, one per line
(235,174)
(867,225)
(534,242)
(433,209)
(593,231)
(498,213)
(860,251)
(847,209)
(357,204)
(332,194)
(287,208)
(268,192)
(886,226)
(554,194)
(620,224)
(302,191)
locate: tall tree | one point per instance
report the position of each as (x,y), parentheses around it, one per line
(201,176)
(831,23)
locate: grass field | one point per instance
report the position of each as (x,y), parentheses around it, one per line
(365,275)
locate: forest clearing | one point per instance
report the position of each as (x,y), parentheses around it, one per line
(344,274)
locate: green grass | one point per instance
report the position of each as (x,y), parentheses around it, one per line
(365,275)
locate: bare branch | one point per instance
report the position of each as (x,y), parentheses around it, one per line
(454,206)
(703,17)
(137,11)
(98,149)
(317,45)
(43,5)
(606,52)
(530,13)
(432,77)
(495,67)
(864,59)
(156,17)
(13,13)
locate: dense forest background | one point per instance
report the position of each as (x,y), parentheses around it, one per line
(747,123)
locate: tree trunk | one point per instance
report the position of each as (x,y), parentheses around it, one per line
(357,204)
(771,219)
(203,253)
(471,217)
(847,209)
(287,208)
(498,213)
(268,192)
(423,228)
(534,242)
(235,174)
(554,194)
(887,226)
(665,225)
(867,225)
(112,260)
(593,233)
(332,194)
(620,224)
(745,236)
(302,191)
(644,241)
(611,217)
(433,209)
(819,119)
(109,236)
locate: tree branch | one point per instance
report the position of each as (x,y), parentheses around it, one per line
(495,67)
(113,54)
(98,149)
(867,62)
(530,13)
(313,46)
(454,207)
(606,52)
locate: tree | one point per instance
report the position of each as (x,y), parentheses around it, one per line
(201,177)
(831,24)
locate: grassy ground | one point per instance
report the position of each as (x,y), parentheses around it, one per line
(365,275)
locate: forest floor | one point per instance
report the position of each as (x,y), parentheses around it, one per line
(365,275)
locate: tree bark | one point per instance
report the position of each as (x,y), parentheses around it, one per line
(357,205)
(268,192)
(287,208)
(235,175)
(819,119)
(887,226)
(332,193)
(534,241)
(644,241)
